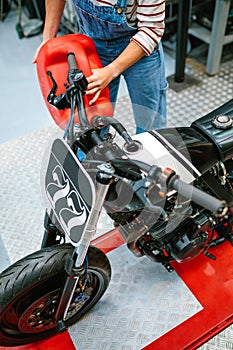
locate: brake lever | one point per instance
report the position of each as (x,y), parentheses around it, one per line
(141,189)
(61,101)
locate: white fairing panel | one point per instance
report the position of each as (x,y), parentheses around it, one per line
(154,152)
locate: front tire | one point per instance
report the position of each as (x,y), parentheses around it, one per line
(30,291)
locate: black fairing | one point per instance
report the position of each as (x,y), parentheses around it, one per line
(194,146)
(222,138)
(202,143)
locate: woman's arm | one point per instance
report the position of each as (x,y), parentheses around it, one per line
(53,13)
(103,76)
(149,17)
(150,21)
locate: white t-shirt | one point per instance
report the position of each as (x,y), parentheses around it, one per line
(148,16)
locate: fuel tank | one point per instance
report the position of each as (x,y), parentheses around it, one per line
(200,151)
(208,140)
(190,151)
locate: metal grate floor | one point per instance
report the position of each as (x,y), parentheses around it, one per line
(142,303)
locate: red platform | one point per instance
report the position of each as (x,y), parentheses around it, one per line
(58,342)
(211,282)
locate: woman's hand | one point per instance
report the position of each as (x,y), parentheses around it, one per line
(99,79)
(103,76)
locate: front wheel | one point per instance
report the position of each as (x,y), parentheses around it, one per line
(31,288)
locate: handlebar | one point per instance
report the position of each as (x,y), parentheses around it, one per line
(72,61)
(78,84)
(75,75)
(169,180)
(205,200)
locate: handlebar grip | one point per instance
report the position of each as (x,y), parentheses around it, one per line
(72,61)
(205,200)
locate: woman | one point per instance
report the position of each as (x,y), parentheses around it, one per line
(127,35)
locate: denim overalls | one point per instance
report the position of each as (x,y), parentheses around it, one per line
(145,80)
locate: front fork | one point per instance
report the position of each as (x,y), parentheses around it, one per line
(52,235)
(74,264)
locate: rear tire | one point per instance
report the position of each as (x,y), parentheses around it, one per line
(31,287)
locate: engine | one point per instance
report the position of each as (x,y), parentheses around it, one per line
(180,229)
(188,229)
(180,238)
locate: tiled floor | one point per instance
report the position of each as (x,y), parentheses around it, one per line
(27,128)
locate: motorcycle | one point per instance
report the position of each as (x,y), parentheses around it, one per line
(169,193)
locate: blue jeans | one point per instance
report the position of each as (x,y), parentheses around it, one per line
(145,79)
(147,85)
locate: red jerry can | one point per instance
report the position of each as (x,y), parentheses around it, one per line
(53,57)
